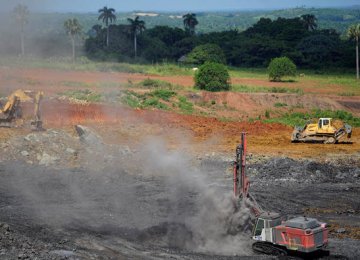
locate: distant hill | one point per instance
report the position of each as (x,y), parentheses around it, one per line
(338,19)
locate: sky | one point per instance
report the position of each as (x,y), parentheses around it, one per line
(168,5)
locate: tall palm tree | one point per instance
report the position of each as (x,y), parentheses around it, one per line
(136,27)
(21,14)
(107,16)
(310,21)
(190,22)
(72,28)
(354,34)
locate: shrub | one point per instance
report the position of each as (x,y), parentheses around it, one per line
(212,77)
(206,53)
(267,114)
(154,83)
(163,94)
(281,67)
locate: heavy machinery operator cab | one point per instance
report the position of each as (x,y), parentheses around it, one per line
(264,224)
(324,122)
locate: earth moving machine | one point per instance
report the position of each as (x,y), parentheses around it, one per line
(326,130)
(273,236)
(12,110)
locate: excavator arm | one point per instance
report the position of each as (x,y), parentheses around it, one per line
(11,109)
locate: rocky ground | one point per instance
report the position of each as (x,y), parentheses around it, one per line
(66,194)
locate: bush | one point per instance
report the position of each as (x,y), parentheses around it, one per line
(164,94)
(212,77)
(281,67)
(154,83)
(206,53)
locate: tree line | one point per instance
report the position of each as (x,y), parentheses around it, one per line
(296,38)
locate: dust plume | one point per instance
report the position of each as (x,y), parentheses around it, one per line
(146,189)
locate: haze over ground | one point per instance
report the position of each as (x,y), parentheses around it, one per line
(166,5)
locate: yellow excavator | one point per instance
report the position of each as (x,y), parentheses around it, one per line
(325,130)
(12,111)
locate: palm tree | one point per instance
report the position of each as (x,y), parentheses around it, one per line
(190,22)
(73,28)
(309,21)
(107,16)
(136,27)
(21,14)
(354,34)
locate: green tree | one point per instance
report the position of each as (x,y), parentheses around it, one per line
(310,21)
(190,23)
(21,14)
(136,26)
(107,15)
(72,28)
(281,67)
(354,34)
(212,77)
(206,52)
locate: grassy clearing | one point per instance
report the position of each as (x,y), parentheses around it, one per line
(84,64)
(318,79)
(168,69)
(85,95)
(298,118)
(254,89)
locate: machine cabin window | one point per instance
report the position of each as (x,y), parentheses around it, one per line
(259,227)
(326,122)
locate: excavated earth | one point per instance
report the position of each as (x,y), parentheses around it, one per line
(147,184)
(64,197)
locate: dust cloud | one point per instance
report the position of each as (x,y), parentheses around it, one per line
(44,36)
(164,197)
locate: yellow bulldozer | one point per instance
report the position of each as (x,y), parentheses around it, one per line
(12,110)
(325,130)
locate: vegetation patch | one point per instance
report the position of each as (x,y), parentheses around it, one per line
(154,83)
(255,89)
(280,68)
(206,53)
(154,99)
(185,106)
(212,77)
(85,95)
(164,94)
(298,118)
(278,104)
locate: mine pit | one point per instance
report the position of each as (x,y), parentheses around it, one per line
(115,201)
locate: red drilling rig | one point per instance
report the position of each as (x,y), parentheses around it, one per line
(274,236)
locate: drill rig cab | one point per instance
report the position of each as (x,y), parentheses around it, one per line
(271,234)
